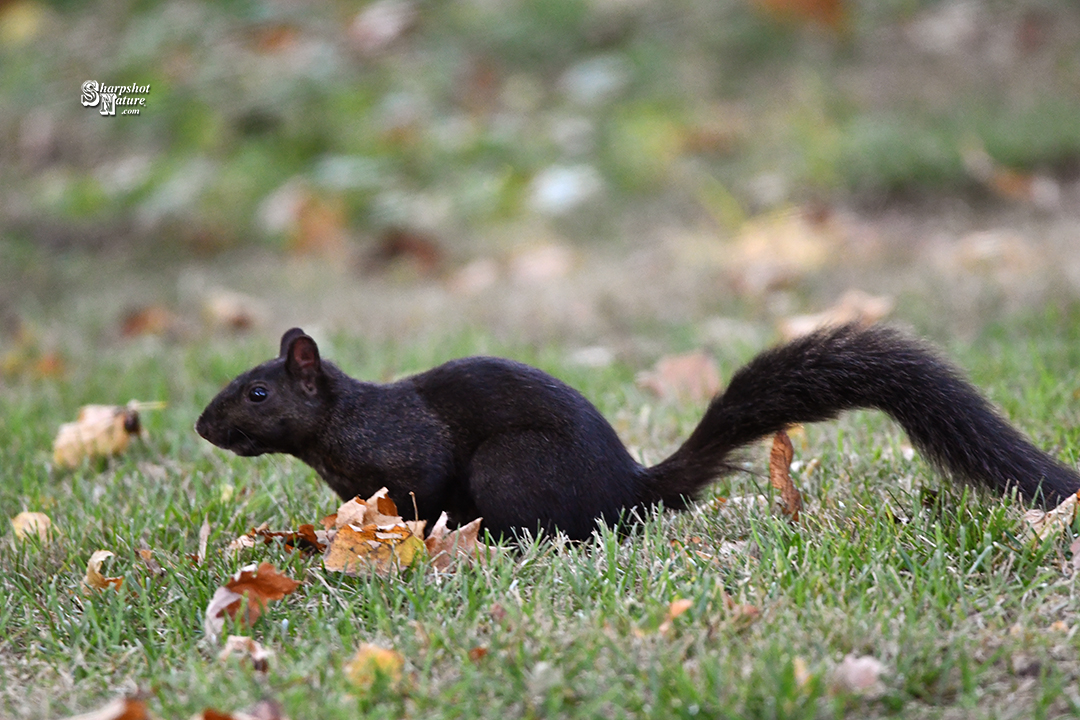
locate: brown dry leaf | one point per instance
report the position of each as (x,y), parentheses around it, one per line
(675,609)
(743,614)
(29,358)
(124,708)
(259,585)
(274,37)
(321,228)
(150,320)
(147,556)
(31,523)
(351,512)
(854,306)
(372,547)
(372,662)
(693,377)
(248,647)
(1047,523)
(99,431)
(303,539)
(829,13)
(1008,183)
(858,675)
(212,714)
(780,474)
(233,311)
(94,580)
(418,249)
(774,250)
(445,547)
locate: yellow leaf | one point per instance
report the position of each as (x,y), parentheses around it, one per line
(31,523)
(372,662)
(99,431)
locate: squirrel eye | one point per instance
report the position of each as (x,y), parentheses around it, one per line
(258,394)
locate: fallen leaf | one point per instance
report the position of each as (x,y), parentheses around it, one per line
(828,13)
(416,248)
(150,320)
(370,663)
(780,474)
(259,585)
(28,357)
(675,609)
(692,377)
(31,523)
(1008,183)
(119,709)
(262,710)
(774,250)
(147,556)
(445,547)
(304,538)
(371,547)
(204,536)
(854,306)
(858,675)
(1047,523)
(232,311)
(802,673)
(94,580)
(248,647)
(320,227)
(274,37)
(99,431)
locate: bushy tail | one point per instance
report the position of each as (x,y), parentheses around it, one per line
(821,375)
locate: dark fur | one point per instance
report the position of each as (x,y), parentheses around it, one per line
(492,438)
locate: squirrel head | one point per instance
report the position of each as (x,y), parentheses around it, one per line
(273,407)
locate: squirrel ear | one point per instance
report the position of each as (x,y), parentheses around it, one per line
(302,357)
(287,339)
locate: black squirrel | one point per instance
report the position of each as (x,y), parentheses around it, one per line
(492,438)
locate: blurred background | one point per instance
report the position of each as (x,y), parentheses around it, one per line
(581,171)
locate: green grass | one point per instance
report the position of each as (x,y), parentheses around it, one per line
(936,581)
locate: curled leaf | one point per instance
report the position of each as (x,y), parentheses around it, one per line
(99,431)
(243,645)
(780,474)
(94,580)
(446,547)
(1046,523)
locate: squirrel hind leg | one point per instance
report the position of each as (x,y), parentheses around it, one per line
(530,480)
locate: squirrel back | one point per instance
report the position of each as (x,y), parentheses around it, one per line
(493,438)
